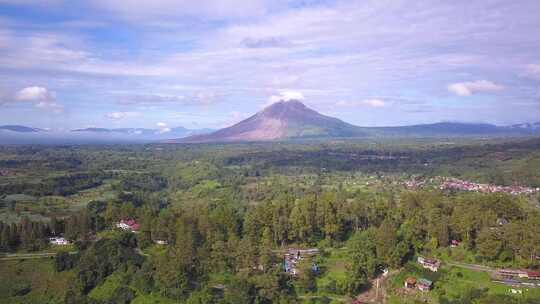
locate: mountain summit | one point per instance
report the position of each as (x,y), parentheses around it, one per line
(281,120)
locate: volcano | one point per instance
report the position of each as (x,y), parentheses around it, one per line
(279,121)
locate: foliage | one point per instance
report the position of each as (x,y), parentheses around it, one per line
(223,214)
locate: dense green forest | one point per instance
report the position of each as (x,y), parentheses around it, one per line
(217,220)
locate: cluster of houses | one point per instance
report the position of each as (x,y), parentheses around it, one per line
(457,184)
(422,284)
(128,225)
(446,183)
(521,274)
(414,184)
(294,256)
(57,240)
(517,278)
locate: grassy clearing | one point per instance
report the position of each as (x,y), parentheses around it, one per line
(332,279)
(14,207)
(153,299)
(32,281)
(333,269)
(106,291)
(450,283)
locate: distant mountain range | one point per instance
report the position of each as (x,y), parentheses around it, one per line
(527,126)
(22,129)
(16,134)
(293,120)
(145,133)
(284,120)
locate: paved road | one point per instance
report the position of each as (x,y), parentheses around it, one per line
(474,267)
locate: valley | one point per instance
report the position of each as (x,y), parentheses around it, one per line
(223,215)
(269,152)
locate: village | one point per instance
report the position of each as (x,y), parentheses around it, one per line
(457,184)
(447,183)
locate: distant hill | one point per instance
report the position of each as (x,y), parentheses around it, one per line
(142,133)
(452,129)
(13,134)
(527,126)
(22,129)
(281,120)
(293,120)
(96,130)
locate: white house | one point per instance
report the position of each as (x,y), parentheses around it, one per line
(58,241)
(432,265)
(123,226)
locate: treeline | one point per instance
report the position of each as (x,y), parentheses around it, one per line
(28,235)
(60,185)
(148,182)
(498,163)
(238,242)
(31,235)
(203,239)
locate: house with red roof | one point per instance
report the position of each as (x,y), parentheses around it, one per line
(129,225)
(533,275)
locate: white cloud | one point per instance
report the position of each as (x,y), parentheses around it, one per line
(164,130)
(472,87)
(34,94)
(41,97)
(376,103)
(373,102)
(286,96)
(122,115)
(53,106)
(151,99)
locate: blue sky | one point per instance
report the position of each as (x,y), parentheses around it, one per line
(211,63)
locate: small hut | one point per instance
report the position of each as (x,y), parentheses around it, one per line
(410,282)
(424,284)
